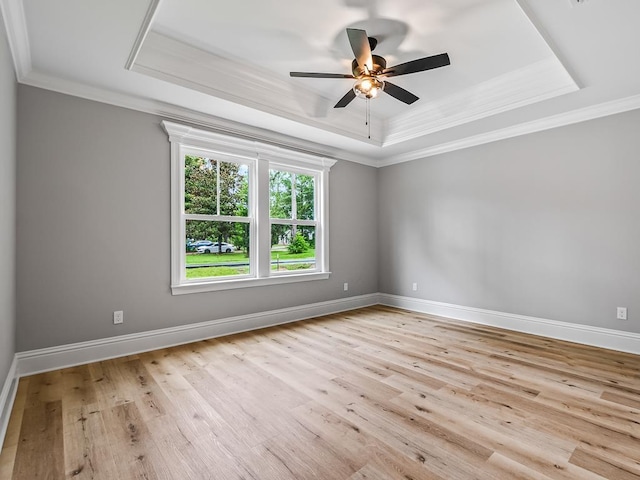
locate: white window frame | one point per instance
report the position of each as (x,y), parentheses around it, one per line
(295,221)
(260,157)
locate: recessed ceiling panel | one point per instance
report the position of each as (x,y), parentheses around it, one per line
(499,61)
(226,65)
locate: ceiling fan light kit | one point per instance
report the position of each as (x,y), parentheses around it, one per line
(368,87)
(369,71)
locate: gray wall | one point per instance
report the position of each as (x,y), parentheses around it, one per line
(94,220)
(7,206)
(543,225)
(546,225)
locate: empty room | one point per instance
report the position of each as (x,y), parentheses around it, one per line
(351,239)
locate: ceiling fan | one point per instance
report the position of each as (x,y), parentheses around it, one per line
(369,71)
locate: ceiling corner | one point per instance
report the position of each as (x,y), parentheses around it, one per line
(16,26)
(142,34)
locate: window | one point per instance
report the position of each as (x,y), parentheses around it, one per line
(216,216)
(292,218)
(244,213)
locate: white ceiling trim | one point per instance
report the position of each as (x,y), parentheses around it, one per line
(544,34)
(174,112)
(540,81)
(16,26)
(180,63)
(142,34)
(229,127)
(243,147)
(555,121)
(177,62)
(14,19)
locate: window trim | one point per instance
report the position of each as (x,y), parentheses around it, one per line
(260,157)
(249,219)
(316,222)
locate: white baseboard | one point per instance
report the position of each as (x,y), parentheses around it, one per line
(53,358)
(7,396)
(598,337)
(46,359)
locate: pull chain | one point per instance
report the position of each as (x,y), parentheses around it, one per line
(367,120)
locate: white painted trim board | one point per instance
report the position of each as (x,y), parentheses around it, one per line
(53,358)
(7,397)
(571,332)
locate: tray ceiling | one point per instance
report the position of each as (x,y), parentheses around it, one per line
(516,66)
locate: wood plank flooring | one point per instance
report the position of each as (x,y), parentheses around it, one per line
(376,393)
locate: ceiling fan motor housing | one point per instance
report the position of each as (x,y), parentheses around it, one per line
(379,64)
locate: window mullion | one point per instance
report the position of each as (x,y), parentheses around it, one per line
(178,228)
(294,200)
(218,187)
(263,225)
(321,208)
(216,218)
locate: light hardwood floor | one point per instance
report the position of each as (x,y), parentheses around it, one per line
(376,393)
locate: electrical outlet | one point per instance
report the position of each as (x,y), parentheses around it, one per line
(118,317)
(622,313)
(415,287)
(346,286)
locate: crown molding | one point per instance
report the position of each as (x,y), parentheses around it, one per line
(14,19)
(17,35)
(249,148)
(185,115)
(531,84)
(142,34)
(228,127)
(180,63)
(560,120)
(535,22)
(183,64)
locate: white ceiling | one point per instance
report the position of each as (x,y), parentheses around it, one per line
(517,66)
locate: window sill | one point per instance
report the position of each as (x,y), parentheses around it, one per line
(214,286)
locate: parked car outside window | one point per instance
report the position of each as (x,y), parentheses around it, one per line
(193,245)
(214,248)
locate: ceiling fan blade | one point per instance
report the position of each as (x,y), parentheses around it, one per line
(320,75)
(346,100)
(419,65)
(399,93)
(361,48)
